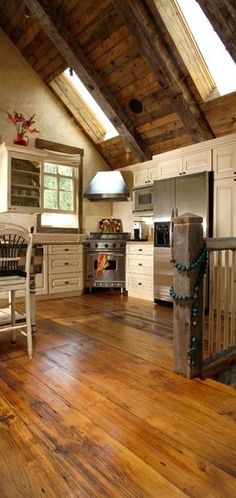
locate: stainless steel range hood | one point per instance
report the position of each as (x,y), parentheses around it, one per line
(107,186)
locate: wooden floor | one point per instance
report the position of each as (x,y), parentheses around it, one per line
(98,412)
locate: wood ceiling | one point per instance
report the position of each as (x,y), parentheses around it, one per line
(126,50)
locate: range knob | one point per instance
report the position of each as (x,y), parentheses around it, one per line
(121,245)
(114,245)
(106,245)
(87,244)
(96,245)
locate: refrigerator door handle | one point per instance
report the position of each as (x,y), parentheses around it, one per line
(171,233)
(176,212)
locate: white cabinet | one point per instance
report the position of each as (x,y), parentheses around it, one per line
(225,207)
(139,270)
(41,279)
(224,160)
(65,268)
(146,175)
(186,164)
(20,179)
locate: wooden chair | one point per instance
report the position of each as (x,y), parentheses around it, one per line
(15,258)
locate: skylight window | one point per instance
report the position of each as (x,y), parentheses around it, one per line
(218,60)
(92,104)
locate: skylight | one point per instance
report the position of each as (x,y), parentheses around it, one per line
(218,60)
(92,104)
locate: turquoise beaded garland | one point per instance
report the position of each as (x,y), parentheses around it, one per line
(200,262)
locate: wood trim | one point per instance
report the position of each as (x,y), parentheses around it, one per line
(220,244)
(75,58)
(57,147)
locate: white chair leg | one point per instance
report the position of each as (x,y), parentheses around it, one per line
(13,315)
(28,323)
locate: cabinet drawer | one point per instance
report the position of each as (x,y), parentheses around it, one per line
(136,248)
(139,264)
(65,249)
(140,286)
(65,263)
(65,283)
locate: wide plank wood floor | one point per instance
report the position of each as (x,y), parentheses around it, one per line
(98,412)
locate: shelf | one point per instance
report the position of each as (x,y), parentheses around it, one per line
(20,185)
(25,172)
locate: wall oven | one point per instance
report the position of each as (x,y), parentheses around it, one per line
(143,200)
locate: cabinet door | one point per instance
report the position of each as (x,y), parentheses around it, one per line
(170,168)
(153,174)
(25,183)
(141,177)
(41,279)
(225,207)
(197,162)
(224,161)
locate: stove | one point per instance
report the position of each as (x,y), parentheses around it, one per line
(104,260)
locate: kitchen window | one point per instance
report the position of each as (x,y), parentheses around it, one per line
(60,195)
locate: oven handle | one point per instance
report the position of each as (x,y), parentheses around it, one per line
(112,253)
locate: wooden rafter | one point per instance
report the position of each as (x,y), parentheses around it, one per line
(75,58)
(140,23)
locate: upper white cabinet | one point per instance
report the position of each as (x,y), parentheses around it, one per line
(224,160)
(186,164)
(20,179)
(147,175)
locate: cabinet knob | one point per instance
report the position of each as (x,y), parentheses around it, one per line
(66,282)
(140,264)
(139,283)
(180,174)
(66,249)
(66,264)
(140,249)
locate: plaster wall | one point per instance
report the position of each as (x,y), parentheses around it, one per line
(22,90)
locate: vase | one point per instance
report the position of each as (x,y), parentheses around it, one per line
(21,139)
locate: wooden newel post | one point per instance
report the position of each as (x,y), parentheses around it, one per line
(189,259)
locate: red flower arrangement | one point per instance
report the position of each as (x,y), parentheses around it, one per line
(23,126)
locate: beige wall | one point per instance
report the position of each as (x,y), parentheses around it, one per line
(22,90)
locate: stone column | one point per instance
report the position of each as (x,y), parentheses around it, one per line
(188,313)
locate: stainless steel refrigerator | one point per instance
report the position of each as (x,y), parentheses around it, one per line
(173,197)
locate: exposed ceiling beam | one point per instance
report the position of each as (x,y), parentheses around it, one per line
(222,20)
(141,25)
(75,58)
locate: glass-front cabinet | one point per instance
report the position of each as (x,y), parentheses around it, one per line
(20,179)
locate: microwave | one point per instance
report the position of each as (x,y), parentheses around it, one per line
(143,199)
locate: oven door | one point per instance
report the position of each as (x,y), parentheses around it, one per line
(107,272)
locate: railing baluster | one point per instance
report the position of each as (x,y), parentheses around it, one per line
(226,298)
(233,299)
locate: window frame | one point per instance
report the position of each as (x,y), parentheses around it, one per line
(74,178)
(57,152)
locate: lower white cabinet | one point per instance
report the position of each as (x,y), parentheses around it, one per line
(65,268)
(62,271)
(139,270)
(41,279)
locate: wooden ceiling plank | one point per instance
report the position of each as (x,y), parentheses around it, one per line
(75,58)
(28,36)
(141,25)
